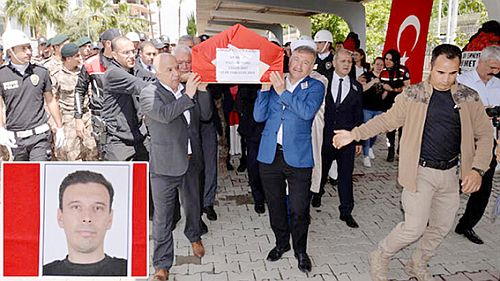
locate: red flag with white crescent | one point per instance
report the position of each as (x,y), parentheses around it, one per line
(407,33)
(30,235)
(238,41)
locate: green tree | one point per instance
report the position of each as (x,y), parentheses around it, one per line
(191,25)
(335,24)
(36,13)
(377,18)
(96,16)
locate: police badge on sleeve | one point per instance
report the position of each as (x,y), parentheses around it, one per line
(34,79)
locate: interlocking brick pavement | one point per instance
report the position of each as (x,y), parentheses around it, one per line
(238,242)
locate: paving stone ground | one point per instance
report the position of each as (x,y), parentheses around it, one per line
(238,242)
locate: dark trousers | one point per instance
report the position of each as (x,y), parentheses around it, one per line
(275,177)
(476,205)
(119,151)
(254,179)
(391,136)
(209,146)
(33,148)
(166,191)
(345,168)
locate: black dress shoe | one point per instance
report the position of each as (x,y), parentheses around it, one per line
(259,208)
(204,228)
(349,220)
(470,234)
(304,262)
(211,214)
(276,253)
(242,167)
(316,200)
(332,181)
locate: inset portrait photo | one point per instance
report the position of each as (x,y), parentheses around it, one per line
(93,220)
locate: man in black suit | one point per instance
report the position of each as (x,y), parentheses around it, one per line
(176,160)
(251,132)
(343,109)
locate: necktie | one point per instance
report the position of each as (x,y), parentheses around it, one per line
(339,93)
(149,68)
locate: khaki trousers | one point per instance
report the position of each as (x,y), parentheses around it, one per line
(429,213)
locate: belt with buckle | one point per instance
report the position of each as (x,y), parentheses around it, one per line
(440,165)
(279,146)
(35,131)
(190,156)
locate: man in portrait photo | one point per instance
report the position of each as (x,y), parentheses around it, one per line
(85,214)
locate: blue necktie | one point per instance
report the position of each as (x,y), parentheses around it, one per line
(339,93)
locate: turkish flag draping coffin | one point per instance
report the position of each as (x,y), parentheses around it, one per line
(236,50)
(32,236)
(407,33)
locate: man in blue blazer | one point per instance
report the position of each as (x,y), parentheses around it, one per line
(285,151)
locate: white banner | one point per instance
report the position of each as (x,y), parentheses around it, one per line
(237,65)
(469,60)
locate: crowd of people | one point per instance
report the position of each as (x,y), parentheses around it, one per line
(127,98)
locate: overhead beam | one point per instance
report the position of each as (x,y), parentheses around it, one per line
(493,8)
(352,12)
(276,29)
(303,24)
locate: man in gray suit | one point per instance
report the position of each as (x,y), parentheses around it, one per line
(173,116)
(208,133)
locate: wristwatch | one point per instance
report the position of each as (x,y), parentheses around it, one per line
(479,171)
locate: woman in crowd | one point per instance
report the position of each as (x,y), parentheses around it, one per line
(360,65)
(373,104)
(394,78)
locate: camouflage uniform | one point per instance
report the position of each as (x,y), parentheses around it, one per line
(53,64)
(75,148)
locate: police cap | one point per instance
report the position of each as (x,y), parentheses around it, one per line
(42,41)
(110,34)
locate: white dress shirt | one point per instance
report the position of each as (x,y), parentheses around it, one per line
(178,94)
(324,55)
(489,92)
(290,88)
(346,86)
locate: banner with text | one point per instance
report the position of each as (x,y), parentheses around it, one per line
(407,33)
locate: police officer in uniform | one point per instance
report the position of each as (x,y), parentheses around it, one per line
(323,40)
(91,75)
(64,82)
(24,87)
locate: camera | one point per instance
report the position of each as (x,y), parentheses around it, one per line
(494,113)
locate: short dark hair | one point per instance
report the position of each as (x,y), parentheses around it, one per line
(84,176)
(450,51)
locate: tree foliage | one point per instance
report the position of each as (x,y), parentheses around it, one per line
(377,18)
(335,24)
(96,16)
(36,13)
(191,25)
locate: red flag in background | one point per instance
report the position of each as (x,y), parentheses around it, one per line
(407,33)
(240,37)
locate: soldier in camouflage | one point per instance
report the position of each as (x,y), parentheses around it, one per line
(55,62)
(64,81)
